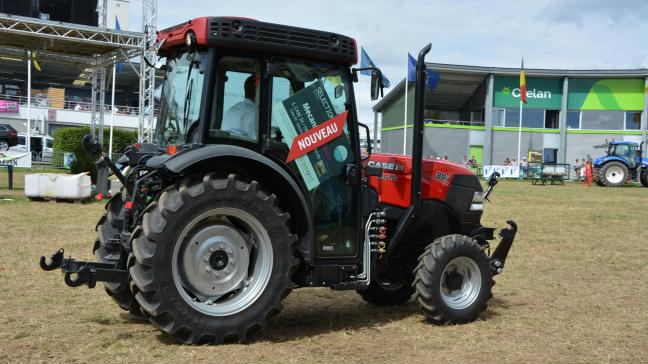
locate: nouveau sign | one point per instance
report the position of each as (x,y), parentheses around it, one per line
(543,93)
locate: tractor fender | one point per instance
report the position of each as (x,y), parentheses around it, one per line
(598,162)
(270,174)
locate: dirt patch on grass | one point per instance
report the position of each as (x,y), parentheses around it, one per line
(575,289)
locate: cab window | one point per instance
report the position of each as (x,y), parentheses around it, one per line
(236,100)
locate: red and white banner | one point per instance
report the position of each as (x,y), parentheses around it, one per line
(317,136)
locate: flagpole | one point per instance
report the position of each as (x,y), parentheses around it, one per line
(112,112)
(519,134)
(405,114)
(28,139)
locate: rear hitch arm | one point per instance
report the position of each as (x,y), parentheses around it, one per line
(498,258)
(78,273)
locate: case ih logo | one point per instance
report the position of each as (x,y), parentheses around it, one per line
(396,167)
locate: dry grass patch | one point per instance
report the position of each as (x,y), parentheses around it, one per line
(574,290)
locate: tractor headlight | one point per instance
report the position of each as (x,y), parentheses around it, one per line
(477,203)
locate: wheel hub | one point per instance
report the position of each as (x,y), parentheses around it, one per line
(215,261)
(460,283)
(614,174)
(218,260)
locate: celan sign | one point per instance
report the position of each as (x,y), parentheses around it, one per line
(542,93)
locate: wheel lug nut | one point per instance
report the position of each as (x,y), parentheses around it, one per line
(211,250)
(232,263)
(229,251)
(206,260)
(226,271)
(208,269)
(216,274)
(221,246)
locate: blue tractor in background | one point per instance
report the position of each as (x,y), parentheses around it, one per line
(623,161)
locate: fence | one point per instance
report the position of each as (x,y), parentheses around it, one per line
(39,101)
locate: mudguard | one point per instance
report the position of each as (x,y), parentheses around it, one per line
(598,162)
(267,172)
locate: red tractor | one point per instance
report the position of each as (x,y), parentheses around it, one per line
(256,185)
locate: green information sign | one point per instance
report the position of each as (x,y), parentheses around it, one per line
(542,93)
(606,94)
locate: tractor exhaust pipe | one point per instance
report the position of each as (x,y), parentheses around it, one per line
(417,143)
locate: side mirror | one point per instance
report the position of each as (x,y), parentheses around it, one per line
(339,91)
(367,134)
(376,84)
(91,146)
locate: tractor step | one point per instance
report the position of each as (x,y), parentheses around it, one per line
(498,258)
(78,273)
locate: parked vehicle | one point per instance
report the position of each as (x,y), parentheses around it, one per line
(8,137)
(256,185)
(622,161)
(42,146)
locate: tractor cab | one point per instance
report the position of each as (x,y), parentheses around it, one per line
(626,150)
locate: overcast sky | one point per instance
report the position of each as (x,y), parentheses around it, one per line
(570,34)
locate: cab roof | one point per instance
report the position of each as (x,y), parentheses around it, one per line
(261,37)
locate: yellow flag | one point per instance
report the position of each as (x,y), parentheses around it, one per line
(35,62)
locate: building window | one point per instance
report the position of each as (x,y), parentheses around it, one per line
(633,120)
(602,119)
(531,118)
(551,119)
(573,119)
(498,117)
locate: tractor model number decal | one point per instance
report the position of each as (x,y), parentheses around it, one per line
(441,177)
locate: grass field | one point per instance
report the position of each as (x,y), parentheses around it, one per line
(575,289)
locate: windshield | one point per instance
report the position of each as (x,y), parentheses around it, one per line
(181,98)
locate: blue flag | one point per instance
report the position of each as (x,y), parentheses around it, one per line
(365,62)
(118,66)
(431,77)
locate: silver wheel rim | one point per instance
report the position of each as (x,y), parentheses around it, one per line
(460,283)
(222,261)
(614,174)
(4,146)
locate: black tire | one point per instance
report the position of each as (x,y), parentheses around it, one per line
(4,145)
(388,293)
(643,178)
(607,167)
(109,225)
(179,210)
(429,273)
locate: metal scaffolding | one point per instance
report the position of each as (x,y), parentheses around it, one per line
(94,47)
(147,73)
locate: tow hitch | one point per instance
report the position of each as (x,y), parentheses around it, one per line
(498,258)
(78,272)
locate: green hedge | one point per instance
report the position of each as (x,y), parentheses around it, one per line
(69,140)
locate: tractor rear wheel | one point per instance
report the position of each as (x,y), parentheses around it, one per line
(643,178)
(453,280)
(214,260)
(614,174)
(385,293)
(107,251)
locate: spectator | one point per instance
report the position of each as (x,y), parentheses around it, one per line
(445,157)
(472,162)
(77,107)
(577,168)
(507,162)
(466,162)
(524,166)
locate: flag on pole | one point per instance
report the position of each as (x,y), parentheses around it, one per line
(431,77)
(35,62)
(365,62)
(523,89)
(118,66)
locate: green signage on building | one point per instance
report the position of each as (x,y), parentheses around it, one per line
(606,94)
(542,93)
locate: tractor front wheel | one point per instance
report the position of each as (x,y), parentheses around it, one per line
(385,293)
(214,259)
(453,280)
(614,174)
(643,178)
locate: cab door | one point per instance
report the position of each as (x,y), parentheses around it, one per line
(311,106)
